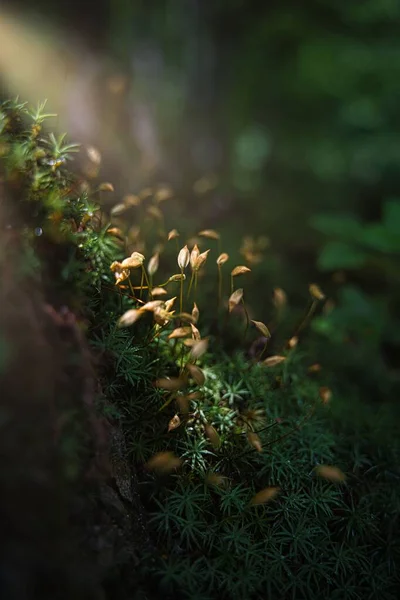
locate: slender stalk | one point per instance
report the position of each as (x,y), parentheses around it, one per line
(257,431)
(247,319)
(259,356)
(148,338)
(141,283)
(120,297)
(307,318)
(161,284)
(157,352)
(182,360)
(131,288)
(232,286)
(144,275)
(219,286)
(157,333)
(181,294)
(190,285)
(195,286)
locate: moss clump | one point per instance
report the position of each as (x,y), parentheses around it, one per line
(223,466)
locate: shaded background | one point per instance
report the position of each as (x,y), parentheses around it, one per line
(269,120)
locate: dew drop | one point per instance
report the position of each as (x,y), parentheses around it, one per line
(38,231)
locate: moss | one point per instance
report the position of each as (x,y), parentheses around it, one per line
(199,426)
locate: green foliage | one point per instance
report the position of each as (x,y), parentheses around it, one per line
(354,243)
(306,543)
(363,324)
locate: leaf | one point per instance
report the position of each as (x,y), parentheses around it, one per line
(173,234)
(177,277)
(152,305)
(195,396)
(183,403)
(174,423)
(272,361)
(254,440)
(216,479)
(240,270)
(331,473)
(118,209)
(137,256)
(210,233)
(235,299)
(194,255)
(195,312)
(130,317)
(196,373)
(183,258)
(199,347)
(262,328)
(162,316)
(190,342)
(200,260)
(169,303)
(162,194)
(106,187)
(279,298)
(116,232)
(171,384)
(212,435)
(195,332)
(340,255)
(164,462)
(119,271)
(158,291)
(325,394)
(265,495)
(131,200)
(315,368)
(222,259)
(316,292)
(131,263)
(180,332)
(93,154)
(152,267)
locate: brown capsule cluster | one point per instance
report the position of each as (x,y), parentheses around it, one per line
(180,330)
